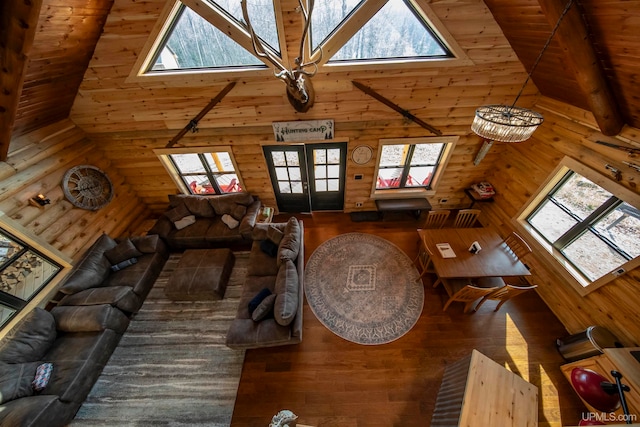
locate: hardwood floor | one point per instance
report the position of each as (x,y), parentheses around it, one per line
(328,381)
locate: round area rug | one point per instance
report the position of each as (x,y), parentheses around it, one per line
(363,288)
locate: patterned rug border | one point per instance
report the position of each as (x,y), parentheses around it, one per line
(376,332)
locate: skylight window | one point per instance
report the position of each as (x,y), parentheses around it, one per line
(396,31)
(327,16)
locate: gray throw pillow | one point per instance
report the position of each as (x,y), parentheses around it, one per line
(287,293)
(290,244)
(177,213)
(16,379)
(123,251)
(264,309)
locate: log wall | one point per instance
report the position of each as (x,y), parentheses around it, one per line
(518,173)
(36,164)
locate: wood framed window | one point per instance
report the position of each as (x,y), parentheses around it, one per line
(411,165)
(587,223)
(210,170)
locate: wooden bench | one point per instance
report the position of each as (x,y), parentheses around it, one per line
(415,205)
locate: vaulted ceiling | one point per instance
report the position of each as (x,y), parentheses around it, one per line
(67,31)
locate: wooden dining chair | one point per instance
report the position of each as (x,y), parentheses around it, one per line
(518,248)
(461,290)
(466,218)
(436,219)
(504,294)
(424,260)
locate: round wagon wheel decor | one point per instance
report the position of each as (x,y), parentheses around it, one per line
(87,187)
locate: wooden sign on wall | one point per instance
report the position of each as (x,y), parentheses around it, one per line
(304,130)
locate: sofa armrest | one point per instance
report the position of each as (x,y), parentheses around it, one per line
(297,324)
(90,318)
(249,219)
(150,244)
(162,227)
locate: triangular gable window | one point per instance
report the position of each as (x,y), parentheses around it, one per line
(396,32)
(327,16)
(192,42)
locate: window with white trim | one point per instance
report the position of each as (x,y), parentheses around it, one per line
(412,163)
(593,231)
(202,171)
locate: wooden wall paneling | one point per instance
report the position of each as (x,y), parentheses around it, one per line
(614,305)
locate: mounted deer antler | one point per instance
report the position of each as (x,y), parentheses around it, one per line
(299,88)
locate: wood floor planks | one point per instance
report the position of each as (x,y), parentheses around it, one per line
(171,366)
(328,381)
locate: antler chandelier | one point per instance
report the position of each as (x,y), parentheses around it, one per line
(508,123)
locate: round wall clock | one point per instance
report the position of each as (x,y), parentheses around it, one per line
(87,187)
(362,154)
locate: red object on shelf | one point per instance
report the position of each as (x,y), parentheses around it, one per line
(591,423)
(587,384)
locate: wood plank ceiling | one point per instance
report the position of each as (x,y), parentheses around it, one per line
(68,31)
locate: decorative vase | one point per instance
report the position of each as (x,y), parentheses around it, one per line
(587,384)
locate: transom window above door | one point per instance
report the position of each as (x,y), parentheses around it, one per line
(202,170)
(412,164)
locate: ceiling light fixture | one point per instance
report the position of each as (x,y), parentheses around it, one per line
(510,123)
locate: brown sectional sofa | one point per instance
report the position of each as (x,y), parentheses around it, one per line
(283,276)
(79,335)
(208,229)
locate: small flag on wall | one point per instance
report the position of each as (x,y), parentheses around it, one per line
(303,130)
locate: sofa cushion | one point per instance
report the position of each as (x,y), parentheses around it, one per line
(289,246)
(269,248)
(177,213)
(275,234)
(16,379)
(220,232)
(35,411)
(72,380)
(70,318)
(260,230)
(30,339)
(197,205)
(122,297)
(227,203)
(261,264)
(149,244)
(92,346)
(140,276)
(92,269)
(287,293)
(123,251)
(264,310)
(193,236)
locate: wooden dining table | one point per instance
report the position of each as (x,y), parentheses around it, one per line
(493,260)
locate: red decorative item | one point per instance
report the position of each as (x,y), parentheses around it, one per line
(591,423)
(587,384)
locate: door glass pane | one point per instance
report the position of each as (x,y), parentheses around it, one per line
(281,174)
(392,155)
(284,186)
(8,248)
(333,156)
(292,158)
(334,185)
(333,171)
(321,185)
(278,158)
(551,221)
(198,184)
(26,275)
(5,314)
(426,154)
(592,256)
(581,196)
(320,156)
(294,174)
(320,171)
(296,187)
(622,227)
(187,163)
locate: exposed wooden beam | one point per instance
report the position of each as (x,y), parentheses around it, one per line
(581,56)
(18,23)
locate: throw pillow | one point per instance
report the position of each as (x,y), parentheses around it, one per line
(269,248)
(287,290)
(265,309)
(43,374)
(124,264)
(15,380)
(185,222)
(177,213)
(290,243)
(230,221)
(30,339)
(239,212)
(274,234)
(256,300)
(123,251)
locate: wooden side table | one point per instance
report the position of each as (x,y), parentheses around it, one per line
(475,197)
(265,215)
